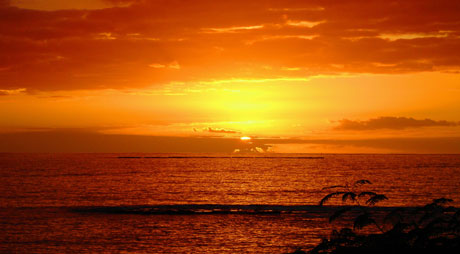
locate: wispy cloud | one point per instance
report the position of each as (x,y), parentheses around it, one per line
(173,65)
(233,29)
(394,123)
(12,91)
(410,36)
(217,130)
(303,23)
(219,40)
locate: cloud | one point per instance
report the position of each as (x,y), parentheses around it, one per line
(4,3)
(303,23)
(68,131)
(216,130)
(117,2)
(432,145)
(53,5)
(231,29)
(394,123)
(5,92)
(91,141)
(173,65)
(81,141)
(214,40)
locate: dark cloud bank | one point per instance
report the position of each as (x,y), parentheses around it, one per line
(70,141)
(394,123)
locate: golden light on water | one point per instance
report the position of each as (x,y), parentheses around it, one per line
(245,138)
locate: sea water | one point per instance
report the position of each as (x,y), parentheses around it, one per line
(196,203)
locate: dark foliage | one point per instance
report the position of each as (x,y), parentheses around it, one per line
(433,228)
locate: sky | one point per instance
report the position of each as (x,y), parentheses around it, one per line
(310,76)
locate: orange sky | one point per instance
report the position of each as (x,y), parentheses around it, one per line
(297,76)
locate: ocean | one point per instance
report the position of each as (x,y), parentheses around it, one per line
(197,203)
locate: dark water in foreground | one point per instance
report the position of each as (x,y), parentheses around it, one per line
(99,203)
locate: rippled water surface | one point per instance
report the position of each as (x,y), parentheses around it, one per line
(41,194)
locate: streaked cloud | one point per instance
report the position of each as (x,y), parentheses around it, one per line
(102,46)
(217,130)
(317,8)
(172,65)
(4,92)
(53,5)
(105,36)
(394,123)
(410,36)
(231,29)
(303,23)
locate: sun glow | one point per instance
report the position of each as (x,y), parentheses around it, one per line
(275,74)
